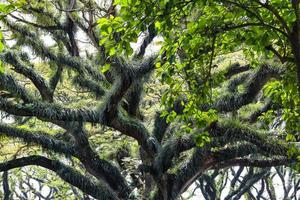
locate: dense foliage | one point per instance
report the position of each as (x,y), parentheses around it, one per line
(140,99)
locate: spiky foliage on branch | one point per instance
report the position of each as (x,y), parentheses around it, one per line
(204,104)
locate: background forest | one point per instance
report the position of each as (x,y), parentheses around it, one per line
(152,99)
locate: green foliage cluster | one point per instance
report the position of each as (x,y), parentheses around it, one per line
(197,32)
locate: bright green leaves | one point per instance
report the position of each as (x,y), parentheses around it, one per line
(275,90)
(285,94)
(105,26)
(123,2)
(2,70)
(158,26)
(115,36)
(6,8)
(105,68)
(202,139)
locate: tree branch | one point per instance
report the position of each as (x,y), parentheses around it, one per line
(8,83)
(40,83)
(40,138)
(98,191)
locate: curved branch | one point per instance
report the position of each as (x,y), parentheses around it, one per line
(232,132)
(253,87)
(98,191)
(8,83)
(40,83)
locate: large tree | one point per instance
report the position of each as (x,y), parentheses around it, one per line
(212,114)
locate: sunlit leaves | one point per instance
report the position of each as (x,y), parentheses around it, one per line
(285,93)
(115,36)
(202,139)
(2,70)
(105,68)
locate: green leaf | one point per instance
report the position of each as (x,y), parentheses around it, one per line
(2,70)
(105,68)
(112,51)
(157,25)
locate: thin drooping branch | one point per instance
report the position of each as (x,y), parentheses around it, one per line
(40,83)
(160,126)
(68,174)
(55,78)
(70,29)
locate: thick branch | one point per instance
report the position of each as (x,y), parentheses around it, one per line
(172,149)
(98,167)
(51,112)
(40,83)
(68,174)
(231,132)
(8,83)
(257,81)
(40,138)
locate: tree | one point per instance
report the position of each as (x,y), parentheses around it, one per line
(210,116)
